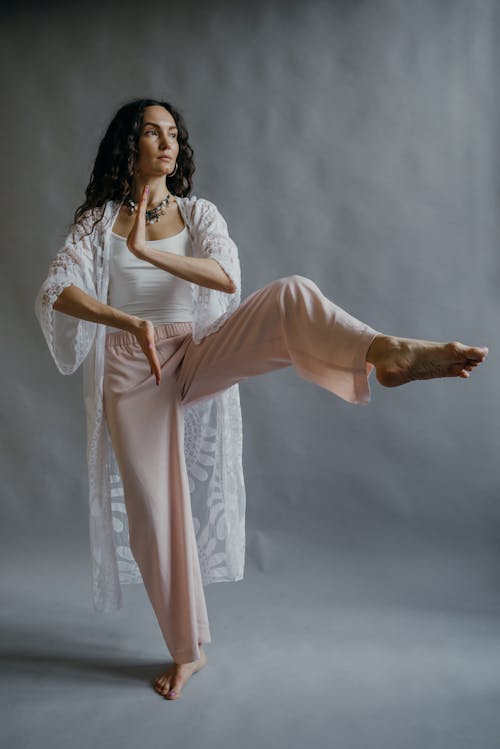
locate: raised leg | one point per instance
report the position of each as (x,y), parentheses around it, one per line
(287,322)
(290,322)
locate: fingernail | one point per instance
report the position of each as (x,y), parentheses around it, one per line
(171,692)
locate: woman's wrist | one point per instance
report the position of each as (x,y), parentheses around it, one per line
(134,323)
(122,320)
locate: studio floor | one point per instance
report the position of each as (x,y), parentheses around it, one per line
(378,648)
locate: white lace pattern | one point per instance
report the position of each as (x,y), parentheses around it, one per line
(213,427)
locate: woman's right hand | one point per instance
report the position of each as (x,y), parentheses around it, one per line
(145,333)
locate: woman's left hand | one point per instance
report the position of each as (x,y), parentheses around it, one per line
(136,240)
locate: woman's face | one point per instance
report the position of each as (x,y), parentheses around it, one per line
(158,144)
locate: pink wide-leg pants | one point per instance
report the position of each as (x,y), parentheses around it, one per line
(286,322)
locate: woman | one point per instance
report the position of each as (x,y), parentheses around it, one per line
(145,293)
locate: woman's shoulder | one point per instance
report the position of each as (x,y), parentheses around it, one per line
(89,227)
(198,211)
(95,216)
(197,203)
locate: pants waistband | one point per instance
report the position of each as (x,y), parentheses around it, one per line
(163,330)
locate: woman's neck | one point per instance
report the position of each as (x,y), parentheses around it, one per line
(158,191)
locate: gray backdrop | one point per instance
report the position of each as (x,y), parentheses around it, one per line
(352,142)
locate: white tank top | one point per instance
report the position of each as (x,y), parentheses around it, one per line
(141,289)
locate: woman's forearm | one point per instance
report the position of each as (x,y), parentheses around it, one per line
(202,271)
(77,303)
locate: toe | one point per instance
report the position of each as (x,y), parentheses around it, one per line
(175,690)
(459,350)
(476,353)
(162,684)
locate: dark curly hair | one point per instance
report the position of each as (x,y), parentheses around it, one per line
(112,175)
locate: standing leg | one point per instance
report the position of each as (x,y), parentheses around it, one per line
(146,426)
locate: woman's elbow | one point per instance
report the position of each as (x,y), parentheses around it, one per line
(229,287)
(59,301)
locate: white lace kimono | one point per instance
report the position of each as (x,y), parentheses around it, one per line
(213,427)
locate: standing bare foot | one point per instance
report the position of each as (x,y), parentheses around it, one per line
(176,676)
(400,360)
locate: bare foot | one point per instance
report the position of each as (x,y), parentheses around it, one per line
(176,676)
(400,360)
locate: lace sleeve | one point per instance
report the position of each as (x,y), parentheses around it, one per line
(212,307)
(69,338)
(216,242)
